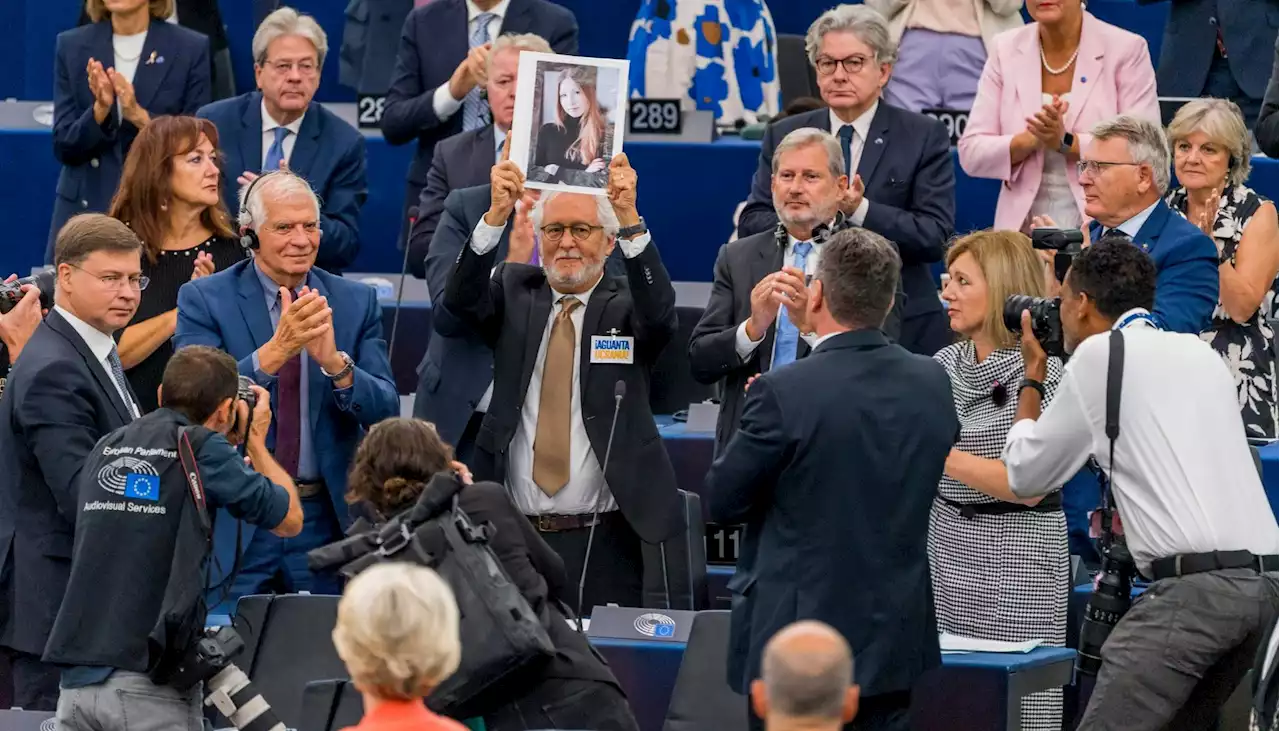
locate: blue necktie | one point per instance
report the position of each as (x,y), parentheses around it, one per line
(117,374)
(846,142)
(473,107)
(788,336)
(276,152)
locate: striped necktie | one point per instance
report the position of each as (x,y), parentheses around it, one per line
(473,107)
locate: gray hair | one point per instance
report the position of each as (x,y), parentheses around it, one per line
(516,42)
(859,270)
(1147,144)
(1222,121)
(806,136)
(604,211)
(288,22)
(865,22)
(809,681)
(270,186)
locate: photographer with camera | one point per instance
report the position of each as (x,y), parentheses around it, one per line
(135,607)
(22,306)
(1158,413)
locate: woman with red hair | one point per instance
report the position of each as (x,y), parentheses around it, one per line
(580,137)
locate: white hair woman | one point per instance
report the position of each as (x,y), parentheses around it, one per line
(1211,149)
(397,632)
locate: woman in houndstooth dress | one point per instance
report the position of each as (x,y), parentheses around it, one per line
(995,576)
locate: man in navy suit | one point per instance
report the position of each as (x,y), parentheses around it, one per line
(1125,173)
(464,160)
(436,89)
(833,470)
(314,341)
(66,391)
(279,128)
(1216,48)
(901,182)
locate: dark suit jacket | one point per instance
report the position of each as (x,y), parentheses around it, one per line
(92,155)
(539,573)
(713,354)
(432,44)
(910,186)
(1248,32)
(1267,129)
(834,471)
(1186,269)
(58,403)
(462,161)
(329,153)
(365,60)
(228,311)
(510,310)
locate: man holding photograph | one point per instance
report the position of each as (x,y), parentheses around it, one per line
(548,427)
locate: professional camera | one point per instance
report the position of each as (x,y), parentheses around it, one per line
(1111,598)
(11,293)
(1067,242)
(245,393)
(227,687)
(1046,321)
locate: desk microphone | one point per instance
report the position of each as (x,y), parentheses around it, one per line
(619,392)
(404,267)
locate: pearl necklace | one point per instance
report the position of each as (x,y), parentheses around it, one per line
(1061,69)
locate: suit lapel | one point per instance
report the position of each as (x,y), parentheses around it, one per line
(1088,71)
(1026,80)
(100,48)
(877,137)
(452,34)
(516,19)
(481,155)
(60,325)
(253,305)
(250,136)
(539,311)
(768,260)
(307,144)
(153,66)
(1148,237)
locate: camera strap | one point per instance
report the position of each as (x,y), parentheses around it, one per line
(195,487)
(1115,377)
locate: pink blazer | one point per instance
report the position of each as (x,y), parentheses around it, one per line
(1113,75)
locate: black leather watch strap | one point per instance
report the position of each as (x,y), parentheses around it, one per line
(1032,383)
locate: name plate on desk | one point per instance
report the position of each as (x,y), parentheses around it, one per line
(629,623)
(955,120)
(662,120)
(369,108)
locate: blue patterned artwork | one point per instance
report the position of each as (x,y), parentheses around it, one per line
(719,55)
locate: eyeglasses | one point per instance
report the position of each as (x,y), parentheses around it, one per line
(1094,167)
(852,65)
(306,68)
(116,281)
(579,231)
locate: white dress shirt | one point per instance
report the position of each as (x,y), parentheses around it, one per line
(861,131)
(101,345)
(1183,479)
(269,134)
(1133,225)
(586,478)
(742,342)
(128,53)
(442,100)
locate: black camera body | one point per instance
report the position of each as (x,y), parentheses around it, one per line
(11,293)
(210,655)
(227,688)
(245,393)
(1112,596)
(1046,321)
(1067,242)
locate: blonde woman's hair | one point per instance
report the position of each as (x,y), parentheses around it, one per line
(397,631)
(1222,121)
(1010,265)
(591,128)
(158,9)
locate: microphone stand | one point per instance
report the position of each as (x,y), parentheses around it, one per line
(404,268)
(619,391)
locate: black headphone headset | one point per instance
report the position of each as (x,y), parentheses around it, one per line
(249,237)
(820,234)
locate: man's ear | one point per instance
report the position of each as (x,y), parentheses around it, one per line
(815,296)
(160,394)
(759,699)
(850,708)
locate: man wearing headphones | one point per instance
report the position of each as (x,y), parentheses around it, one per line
(753,321)
(314,341)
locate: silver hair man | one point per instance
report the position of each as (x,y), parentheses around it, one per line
(865,22)
(516,42)
(807,679)
(289,22)
(1147,144)
(270,186)
(791,186)
(593,263)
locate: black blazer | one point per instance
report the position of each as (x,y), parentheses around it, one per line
(539,573)
(510,312)
(58,403)
(1190,35)
(462,161)
(834,470)
(910,185)
(713,354)
(432,44)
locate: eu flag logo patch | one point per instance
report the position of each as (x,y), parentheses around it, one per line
(142,487)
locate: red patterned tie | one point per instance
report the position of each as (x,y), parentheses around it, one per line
(288,406)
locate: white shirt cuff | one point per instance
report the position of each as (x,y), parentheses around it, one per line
(860,213)
(443,102)
(743,344)
(635,247)
(485,237)
(1017,451)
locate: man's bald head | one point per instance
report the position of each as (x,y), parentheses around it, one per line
(808,672)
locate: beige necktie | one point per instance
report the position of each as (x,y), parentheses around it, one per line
(551,443)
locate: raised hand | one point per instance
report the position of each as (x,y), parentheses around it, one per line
(851,197)
(522,241)
(621,190)
(129,108)
(789,291)
(203,266)
(301,321)
(764,309)
(471,72)
(104,93)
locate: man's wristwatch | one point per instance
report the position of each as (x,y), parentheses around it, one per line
(1033,384)
(636,230)
(350,365)
(1068,140)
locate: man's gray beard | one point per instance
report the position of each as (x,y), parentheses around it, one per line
(817,215)
(589,273)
